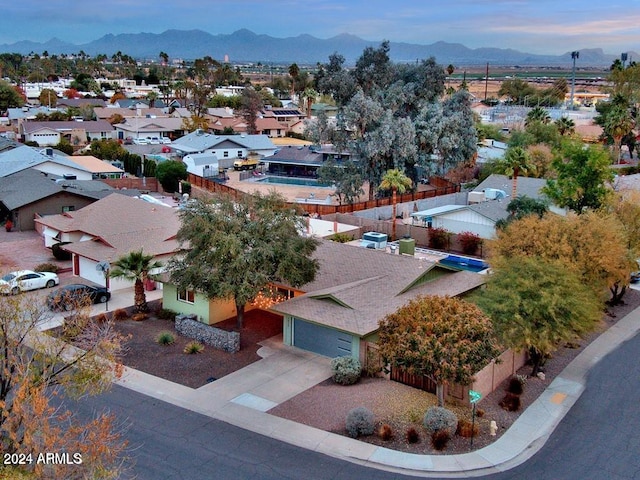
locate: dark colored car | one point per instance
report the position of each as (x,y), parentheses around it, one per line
(72,296)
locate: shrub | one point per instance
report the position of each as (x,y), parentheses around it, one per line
(101,318)
(46,267)
(139,317)
(438,238)
(510,402)
(193,347)
(440,418)
(165,338)
(373,365)
(120,314)
(59,253)
(341,237)
(166,314)
(440,439)
(479,412)
(346,370)
(412,435)
(515,386)
(469,242)
(360,421)
(467,428)
(385,432)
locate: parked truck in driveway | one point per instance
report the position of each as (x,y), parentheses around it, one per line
(249,163)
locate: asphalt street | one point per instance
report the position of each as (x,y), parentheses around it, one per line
(597,440)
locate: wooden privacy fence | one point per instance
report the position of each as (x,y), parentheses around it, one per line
(441,187)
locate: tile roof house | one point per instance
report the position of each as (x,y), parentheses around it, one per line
(30,193)
(338,312)
(77,133)
(110,228)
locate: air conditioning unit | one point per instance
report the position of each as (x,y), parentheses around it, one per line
(476,197)
(374,240)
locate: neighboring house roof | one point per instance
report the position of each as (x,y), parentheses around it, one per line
(200,141)
(531,187)
(119,225)
(19,157)
(80,102)
(140,125)
(269,124)
(300,155)
(94,165)
(28,186)
(199,159)
(107,112)
(356,287)
(90,126)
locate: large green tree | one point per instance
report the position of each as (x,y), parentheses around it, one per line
(444,338)
(9,97)
(537,304)
(136,267)
(583,177)
(515,162)
(236,248)
(169,174)
(345,178)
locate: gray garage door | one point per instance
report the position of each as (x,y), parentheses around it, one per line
(319,339)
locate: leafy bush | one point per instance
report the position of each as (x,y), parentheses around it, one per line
(412,435)
(165,338)
(193,347)
(120,314)
(479,412)
(360,421)
(469,242)
(166,314)
(440,439)
(510,402)
(515,386)
(385,432)
(101,318)
(346,370)
(59,253)
(439,238)
(467,428)
(46,267)
(440,418)
(341,237)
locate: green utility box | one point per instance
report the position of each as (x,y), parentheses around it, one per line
(407,246)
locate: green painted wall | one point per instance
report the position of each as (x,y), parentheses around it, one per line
(170,301)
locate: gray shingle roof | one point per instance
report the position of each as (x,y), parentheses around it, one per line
(526,185)
(199,141)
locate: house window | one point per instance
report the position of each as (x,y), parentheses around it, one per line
(225,154)
(239,153)
(187,296)
(68,208)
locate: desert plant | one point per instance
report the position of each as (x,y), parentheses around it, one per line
(469,242)
(165,338)
(510,402)
(139,317)
(101,318)
(479,412)
(341,237)
(439,238)
(46,267)
(412,435)
(166,314)
(373,365)
(120,314)
(440,439)
(193,347)
(467,428)
(515,386)
(360,421)
(385,432)
(440,418)
(346,370)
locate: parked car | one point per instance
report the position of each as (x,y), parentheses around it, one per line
(165,140)
(140,141)
(76,294)
(23,280)
(154,140)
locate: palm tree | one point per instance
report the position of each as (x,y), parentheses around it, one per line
(135,266)
(618,123)
(565,125)
(537,114)
(515,162)
(396,181)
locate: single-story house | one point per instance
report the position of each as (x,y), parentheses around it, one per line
(149,127)
(110,228)
(76,132)
(30,193)
(302,160)
(224,146)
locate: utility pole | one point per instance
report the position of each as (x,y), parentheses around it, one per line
(486,82)
(574,55)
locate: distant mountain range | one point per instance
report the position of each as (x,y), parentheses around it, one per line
(247,46)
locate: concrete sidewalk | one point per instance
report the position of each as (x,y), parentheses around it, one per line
(243,397)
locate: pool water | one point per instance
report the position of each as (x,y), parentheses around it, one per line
(306,182)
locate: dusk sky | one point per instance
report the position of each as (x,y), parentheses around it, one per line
(534,26)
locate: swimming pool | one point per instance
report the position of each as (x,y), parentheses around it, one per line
(306,182)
